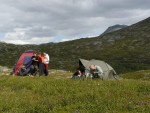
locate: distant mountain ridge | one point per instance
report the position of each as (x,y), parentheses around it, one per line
(114,28)
(125,49)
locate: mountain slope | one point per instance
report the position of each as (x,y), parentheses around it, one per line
(127,49)
(114,28)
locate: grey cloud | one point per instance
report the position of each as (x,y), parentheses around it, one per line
(70,18)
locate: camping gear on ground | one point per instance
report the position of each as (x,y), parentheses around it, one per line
(79,74)
(22,70)
(108,72)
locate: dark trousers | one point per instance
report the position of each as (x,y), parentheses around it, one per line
(46,69)
(41,68)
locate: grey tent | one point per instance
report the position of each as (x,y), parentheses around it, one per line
(109,72)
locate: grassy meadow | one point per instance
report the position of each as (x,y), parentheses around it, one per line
(58,93)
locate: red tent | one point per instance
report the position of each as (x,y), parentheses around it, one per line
(25,58)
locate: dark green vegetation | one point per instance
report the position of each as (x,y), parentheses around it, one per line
(126,50)
(57,94)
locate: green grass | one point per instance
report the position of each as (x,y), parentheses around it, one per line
(58,94)
(143,75)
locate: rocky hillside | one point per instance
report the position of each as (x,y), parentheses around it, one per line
(127,49)
(114,28)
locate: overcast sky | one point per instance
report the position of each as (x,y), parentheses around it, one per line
(42,21)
